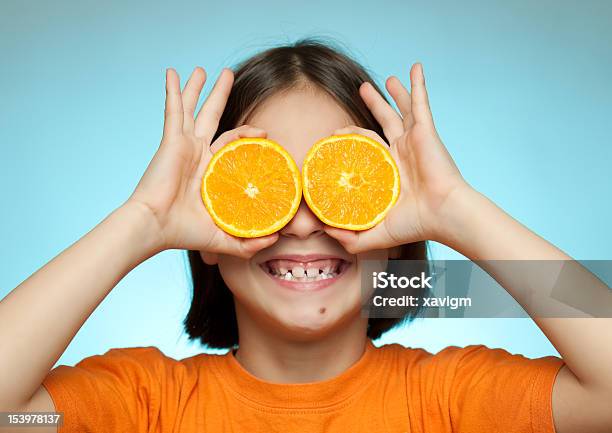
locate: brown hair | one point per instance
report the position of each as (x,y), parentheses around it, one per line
(212,316)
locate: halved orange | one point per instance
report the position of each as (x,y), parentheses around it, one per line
(251,187)
(350,181)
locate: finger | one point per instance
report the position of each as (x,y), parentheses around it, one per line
(402,99)
(227,137)
(234,134)
(173,113)
(242,247)
(253,245)
(420,100)
(207,121)
(191,94)
(356,242)
(352,129)
(384,114)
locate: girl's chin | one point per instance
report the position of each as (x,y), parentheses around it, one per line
(306,309)
(307,328)
(311,321)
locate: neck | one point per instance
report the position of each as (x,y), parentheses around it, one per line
(274,358)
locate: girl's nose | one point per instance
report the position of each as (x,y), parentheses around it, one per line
(303,225)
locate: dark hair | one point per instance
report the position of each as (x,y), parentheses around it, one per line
(308,62)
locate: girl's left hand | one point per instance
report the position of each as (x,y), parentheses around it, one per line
(429,176)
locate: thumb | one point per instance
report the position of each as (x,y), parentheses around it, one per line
(357,242)
(250,246)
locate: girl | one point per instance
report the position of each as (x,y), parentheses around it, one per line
(300,360)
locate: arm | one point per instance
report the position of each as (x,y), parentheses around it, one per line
(582,395)
(39,318)
(436,203)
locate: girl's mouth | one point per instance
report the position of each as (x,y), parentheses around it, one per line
(305,273)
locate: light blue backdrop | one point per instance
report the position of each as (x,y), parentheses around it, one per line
(520,91)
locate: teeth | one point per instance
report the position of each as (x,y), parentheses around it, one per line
(298,272)
(306,277)
(309,275)
(312,272)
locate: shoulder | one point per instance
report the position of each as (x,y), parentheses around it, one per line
(397,353)
(143,360)
(140,352)
(127,356)
(130,367)
(471,357)
(420,355)
(144,353)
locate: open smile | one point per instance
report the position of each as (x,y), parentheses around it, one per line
(305,272)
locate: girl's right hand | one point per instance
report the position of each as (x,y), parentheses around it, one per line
(169,191)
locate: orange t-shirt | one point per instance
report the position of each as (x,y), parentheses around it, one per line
(390,389)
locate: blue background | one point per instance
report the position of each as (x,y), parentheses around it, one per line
(520,91)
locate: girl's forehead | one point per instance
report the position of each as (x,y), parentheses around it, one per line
(296,119)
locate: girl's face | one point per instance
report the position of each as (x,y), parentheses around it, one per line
(325,290)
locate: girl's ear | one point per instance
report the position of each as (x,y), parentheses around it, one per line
(394,253)
(209,258)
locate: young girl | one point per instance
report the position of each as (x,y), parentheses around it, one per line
(300,360)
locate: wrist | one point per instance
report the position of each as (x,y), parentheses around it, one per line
(143,228)
(478,229)
(458,218)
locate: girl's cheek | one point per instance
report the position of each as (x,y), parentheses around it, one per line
(235,272)
(374,255)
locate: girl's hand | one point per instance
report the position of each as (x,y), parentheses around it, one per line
(429,177)
(169,190)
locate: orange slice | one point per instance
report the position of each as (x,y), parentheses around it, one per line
(251,187)
(350,181)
